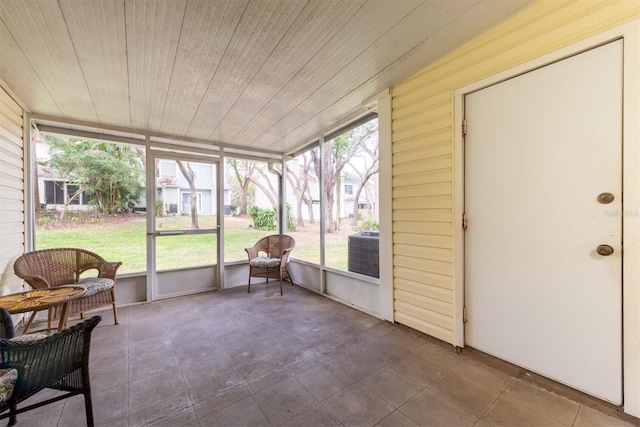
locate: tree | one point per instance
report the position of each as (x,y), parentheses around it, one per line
(260,179)
(299,183)
(250,175)
(371,166)
(337,153)
(187,172)
(242,171)
(109,173)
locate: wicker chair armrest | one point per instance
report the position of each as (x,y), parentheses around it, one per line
(36,281)
(108,269)
(252,252)
(285,256)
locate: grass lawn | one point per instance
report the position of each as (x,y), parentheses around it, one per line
(123,238)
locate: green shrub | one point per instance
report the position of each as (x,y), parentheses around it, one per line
(159,207)
(291,226)
(367,224)
(263,219)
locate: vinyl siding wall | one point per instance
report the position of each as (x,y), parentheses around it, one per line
(423,141)
(12,217)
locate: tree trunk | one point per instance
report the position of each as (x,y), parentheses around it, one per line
(329,183)
(244,196)
(309,202)
(188,174)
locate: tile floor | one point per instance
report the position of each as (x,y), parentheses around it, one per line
(235,359)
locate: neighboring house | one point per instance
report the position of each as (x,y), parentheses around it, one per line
(54,191)
(367,201)
(173,188)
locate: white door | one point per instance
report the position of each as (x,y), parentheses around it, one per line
(540,149)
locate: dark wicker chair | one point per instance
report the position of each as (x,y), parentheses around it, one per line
(268,258)
(60,361)
(50,268)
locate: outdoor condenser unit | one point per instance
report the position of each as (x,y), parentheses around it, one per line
(364,253)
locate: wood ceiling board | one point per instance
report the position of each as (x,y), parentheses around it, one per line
(371,21)
(367,81)
(40,32)
(26,84)
(206,33)
(225,70)
(314,26)
(97,33)
(261,28)
(153,32)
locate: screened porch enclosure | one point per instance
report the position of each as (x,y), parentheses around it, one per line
(185,229)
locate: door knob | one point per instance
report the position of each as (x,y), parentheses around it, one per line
(604,250)
(606,198)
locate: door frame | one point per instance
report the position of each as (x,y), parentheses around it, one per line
(151,231)
(630,34)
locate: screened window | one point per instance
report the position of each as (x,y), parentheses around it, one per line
(303,205)
(71,170)
(350,219)
(252,191)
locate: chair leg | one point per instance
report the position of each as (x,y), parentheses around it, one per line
(281,283)
(12,418)
(29,322)
(288,275)
(86,391)
(88,407)
(249,287)
(115,309)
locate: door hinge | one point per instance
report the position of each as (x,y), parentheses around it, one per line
(464,315)
(464,127)
(465,225)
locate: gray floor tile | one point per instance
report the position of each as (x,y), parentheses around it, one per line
(104,377)
(508,413)
(419,369)
(243,413)
(556,407)
(208,359)
(221,401)
(588,417)
(444,355)
(392,386)
(427,408)
(324,380)
(109,403)
(480,374)
(466,394)
(151,364)
(316,416)
(284,401)
(358,406)
(155,387)
(174,410)
(397,419)
(211,387)
(359,362)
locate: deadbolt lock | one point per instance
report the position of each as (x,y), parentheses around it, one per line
(605,198)
(604,250)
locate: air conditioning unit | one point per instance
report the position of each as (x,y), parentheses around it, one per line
(364,253)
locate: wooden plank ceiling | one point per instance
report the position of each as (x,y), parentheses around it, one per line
(257,74)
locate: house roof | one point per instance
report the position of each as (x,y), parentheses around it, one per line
(258,74)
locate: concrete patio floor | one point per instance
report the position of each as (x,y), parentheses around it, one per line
(235,359)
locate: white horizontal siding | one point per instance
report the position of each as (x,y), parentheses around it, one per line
(12,216)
